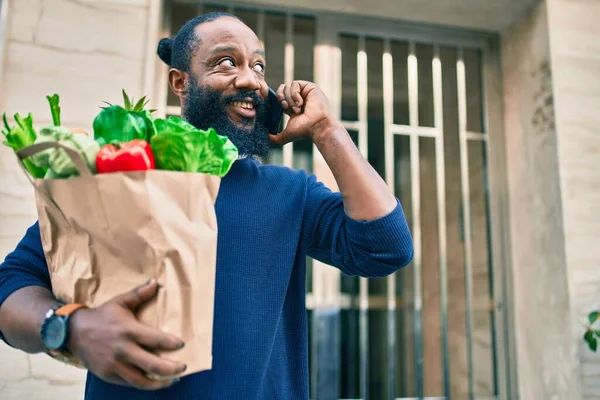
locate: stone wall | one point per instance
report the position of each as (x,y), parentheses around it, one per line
(547,365)
(552,96)
(86,51)
(575,59)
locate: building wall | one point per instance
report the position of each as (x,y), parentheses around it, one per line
(574,28)
(85,51)
(545,361)
(552,96)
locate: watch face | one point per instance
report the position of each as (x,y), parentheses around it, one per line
(55,333)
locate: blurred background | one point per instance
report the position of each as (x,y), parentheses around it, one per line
(483,118)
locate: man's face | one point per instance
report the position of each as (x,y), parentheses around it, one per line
(227,87)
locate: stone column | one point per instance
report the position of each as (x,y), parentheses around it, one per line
(546,360)
(551,64)
(574,30)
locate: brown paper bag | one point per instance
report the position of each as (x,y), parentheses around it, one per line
(105,234)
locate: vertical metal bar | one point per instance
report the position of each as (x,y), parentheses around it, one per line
(466,210)
(495,298)
(413,101)
(388,116)
(438,112)
(363,96)
(326,356)
(362,89)
(260,26)
(506,368)
(288,77)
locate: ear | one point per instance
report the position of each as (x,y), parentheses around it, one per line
(178,81)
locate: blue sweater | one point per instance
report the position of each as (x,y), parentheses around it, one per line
(269,219)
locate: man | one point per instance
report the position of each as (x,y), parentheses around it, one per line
(269,219)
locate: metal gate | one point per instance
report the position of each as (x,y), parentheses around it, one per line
(414,100)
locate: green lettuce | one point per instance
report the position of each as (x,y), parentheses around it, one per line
(20,136)
(57,161)
(179,146)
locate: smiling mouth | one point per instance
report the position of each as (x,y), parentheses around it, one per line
(242,111)
(244,104)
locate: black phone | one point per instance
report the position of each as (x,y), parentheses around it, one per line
(274,113)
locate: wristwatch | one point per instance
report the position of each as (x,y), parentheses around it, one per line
(55,333)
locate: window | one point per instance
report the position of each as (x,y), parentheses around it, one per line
(413,101)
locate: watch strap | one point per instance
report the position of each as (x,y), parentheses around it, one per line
(68,309)
(63,355)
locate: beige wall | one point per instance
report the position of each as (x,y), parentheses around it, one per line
(574,28)
(551,67)
(85,51)
(547,365)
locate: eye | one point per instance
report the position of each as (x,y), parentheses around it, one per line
(259,67)
(227,62)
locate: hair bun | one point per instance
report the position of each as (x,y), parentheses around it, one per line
(165,50)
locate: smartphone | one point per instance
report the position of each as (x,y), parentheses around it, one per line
(274,113)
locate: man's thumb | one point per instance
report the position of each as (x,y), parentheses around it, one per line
(281,138)
(139,295)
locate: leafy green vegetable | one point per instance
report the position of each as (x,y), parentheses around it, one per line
(19,136)
(179,146)
(54,109)
(116,124)
(57,160)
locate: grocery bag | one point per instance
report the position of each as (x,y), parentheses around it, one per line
(105,234)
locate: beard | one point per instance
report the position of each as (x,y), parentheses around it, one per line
(207,108)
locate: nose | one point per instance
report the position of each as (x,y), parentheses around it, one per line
(246,80)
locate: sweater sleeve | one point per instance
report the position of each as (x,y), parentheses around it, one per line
(25,266)
(365,248)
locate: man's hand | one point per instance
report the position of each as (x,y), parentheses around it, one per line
(366,195)
(308,108)
(117,348)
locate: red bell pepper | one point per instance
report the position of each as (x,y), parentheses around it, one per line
(135,155)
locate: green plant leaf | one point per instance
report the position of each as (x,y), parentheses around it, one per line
(591,340)
(179,146)
(54,108)
(5,122)
(140,104)
(115,125)
(22,135)
(126,101)
(593,316)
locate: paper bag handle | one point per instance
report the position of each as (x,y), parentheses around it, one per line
(80,165)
